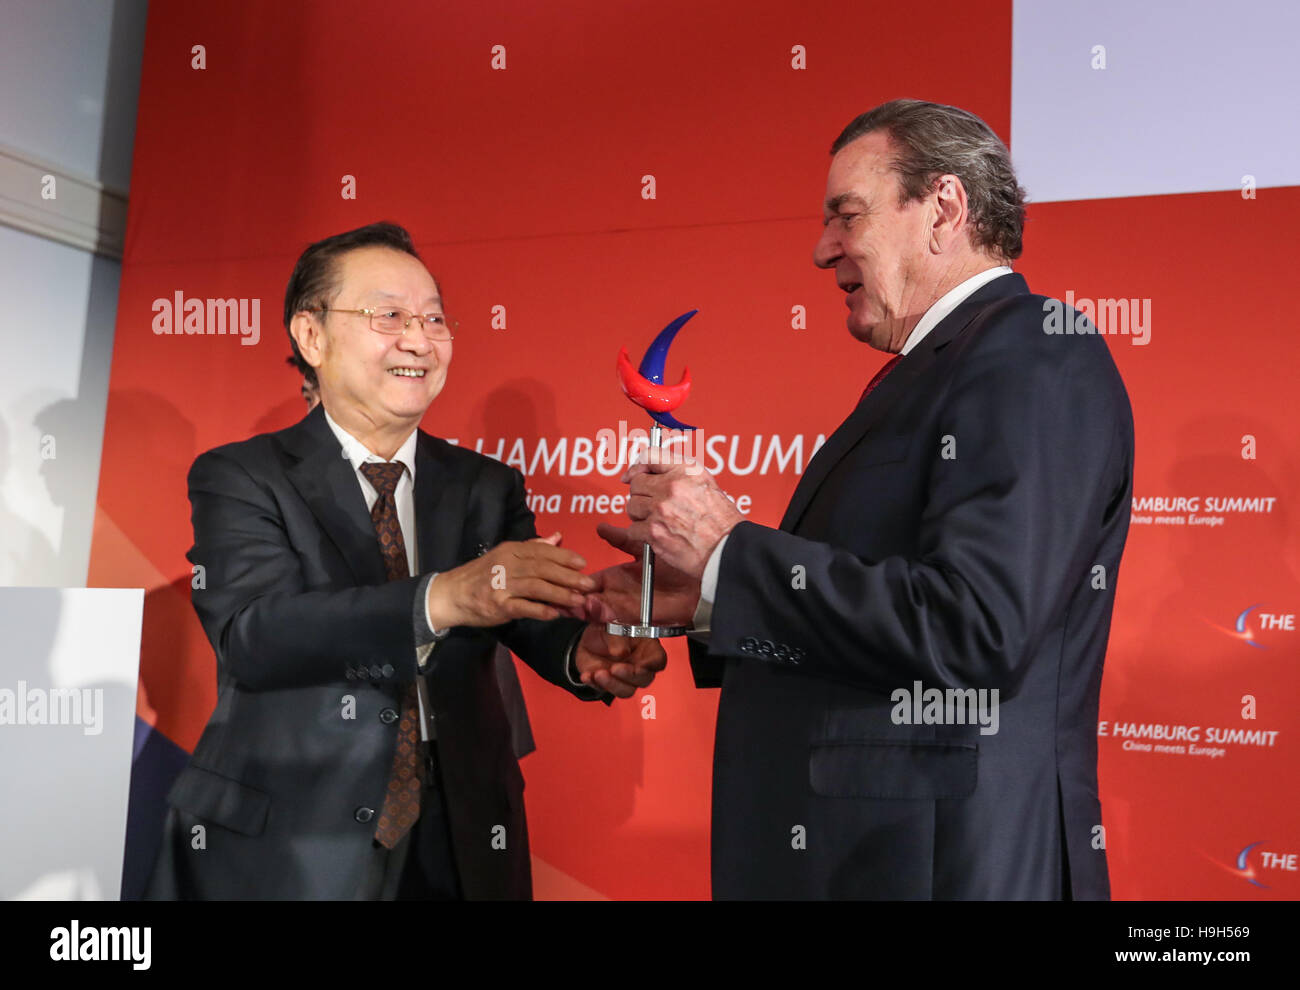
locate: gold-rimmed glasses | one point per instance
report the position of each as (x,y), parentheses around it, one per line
(394,321)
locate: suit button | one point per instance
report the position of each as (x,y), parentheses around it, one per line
(351,674)
(363,815)
(375,672)
(388,716)
(387,670)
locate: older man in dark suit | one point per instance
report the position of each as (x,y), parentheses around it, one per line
(358,573)
(910,664)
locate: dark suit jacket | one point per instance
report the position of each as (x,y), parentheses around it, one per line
(948,532)
(300,615)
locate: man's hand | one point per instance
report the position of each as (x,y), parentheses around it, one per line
(516,580)
(677,507)
(617,664)
(618,593)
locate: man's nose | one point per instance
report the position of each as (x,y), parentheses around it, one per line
(414,339)
(827,249)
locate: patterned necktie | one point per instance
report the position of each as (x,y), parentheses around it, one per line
(879,376)
(402,800)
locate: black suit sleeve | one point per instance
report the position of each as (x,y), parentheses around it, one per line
(705,667)
(268,631)
(1008,529)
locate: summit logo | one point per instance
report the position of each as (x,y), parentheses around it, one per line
(1247,626)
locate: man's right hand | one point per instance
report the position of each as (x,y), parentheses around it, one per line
(536,579)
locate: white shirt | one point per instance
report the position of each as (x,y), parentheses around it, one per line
(940,308)
(949,301)
(403,495)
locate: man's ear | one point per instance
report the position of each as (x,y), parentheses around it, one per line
(309,334)
(951,212)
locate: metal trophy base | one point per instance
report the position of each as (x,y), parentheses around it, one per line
(645,632)
(645,629)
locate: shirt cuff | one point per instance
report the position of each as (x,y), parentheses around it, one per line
(709,589)
(571,663)
(426,637)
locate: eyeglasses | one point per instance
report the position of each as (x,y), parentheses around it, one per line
(392,321)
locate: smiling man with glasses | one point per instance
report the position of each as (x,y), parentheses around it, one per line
(359,573)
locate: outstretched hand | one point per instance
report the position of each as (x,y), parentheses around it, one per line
(530,579)
(617,597)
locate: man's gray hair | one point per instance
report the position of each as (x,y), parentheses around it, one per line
(932,139)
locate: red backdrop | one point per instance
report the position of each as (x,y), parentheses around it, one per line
(523,187)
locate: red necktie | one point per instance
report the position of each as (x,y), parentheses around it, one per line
(879,376)
(402,800)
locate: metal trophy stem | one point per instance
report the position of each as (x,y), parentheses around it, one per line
(645,629)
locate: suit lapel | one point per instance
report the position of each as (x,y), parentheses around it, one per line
(860,422)
(441,493)
(328,484)
(904,374)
